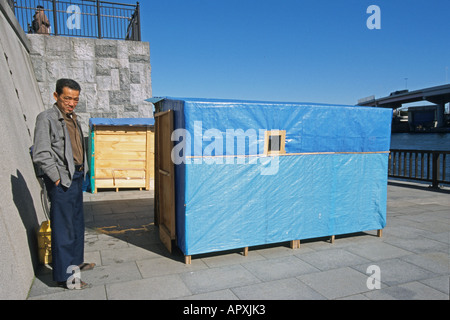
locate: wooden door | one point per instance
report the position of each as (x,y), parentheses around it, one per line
(165,178)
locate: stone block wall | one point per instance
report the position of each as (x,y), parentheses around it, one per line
(115,76)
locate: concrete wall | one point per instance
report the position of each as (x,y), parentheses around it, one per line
(115,76)
(20,198)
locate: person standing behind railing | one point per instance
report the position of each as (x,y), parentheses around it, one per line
(40,23)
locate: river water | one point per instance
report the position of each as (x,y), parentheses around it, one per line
(421,141)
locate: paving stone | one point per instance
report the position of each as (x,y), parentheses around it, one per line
(407,291)
(332,259)
(418,245)
(218,278)
(279,250)
(378,251)
(94,293)
(402,231)
(220,260)
(437,262)
(104,242)
(43,283)
(336,283)
(226,294)
(396,271)
(101,275)
(165,265)
(280,268)
(441,284)
(127,254)
(285,289)
(156,288)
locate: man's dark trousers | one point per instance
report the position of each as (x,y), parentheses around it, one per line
(67,224)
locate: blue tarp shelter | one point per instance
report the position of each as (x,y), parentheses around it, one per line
(121,122)
(250,173)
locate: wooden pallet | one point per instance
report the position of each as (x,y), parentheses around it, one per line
(294,244)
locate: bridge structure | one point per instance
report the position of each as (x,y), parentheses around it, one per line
(418,165)
(439,95)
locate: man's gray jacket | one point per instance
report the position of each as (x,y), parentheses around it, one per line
(52,149)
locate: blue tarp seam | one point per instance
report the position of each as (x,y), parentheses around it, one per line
(282,155)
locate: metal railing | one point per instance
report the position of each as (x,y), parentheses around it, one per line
(83,18)
(420,165)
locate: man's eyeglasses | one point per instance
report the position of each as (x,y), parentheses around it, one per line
(69,99)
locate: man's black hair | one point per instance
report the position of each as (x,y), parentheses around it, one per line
(69,83)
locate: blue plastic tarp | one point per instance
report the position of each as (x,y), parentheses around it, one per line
(234,206)
(121,122)
(309,127)
(332,179)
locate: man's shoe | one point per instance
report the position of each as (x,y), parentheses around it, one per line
(86,266)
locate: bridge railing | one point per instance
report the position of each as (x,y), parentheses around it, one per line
(83,18)
(420,165)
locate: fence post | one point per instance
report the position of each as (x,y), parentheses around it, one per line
(55,18)
(138,22)
(436,167)
(99,20)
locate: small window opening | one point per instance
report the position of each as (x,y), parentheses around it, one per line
(275,142)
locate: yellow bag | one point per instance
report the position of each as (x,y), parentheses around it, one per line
(45,243)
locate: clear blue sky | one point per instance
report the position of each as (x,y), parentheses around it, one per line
(295,50)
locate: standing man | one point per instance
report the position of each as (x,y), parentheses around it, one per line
(40,23)
(59,150)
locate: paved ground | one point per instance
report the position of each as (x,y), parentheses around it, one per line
(412,257)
